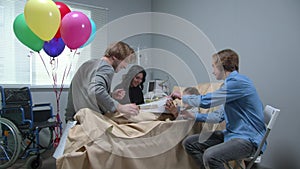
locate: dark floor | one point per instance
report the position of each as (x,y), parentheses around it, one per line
(48,162)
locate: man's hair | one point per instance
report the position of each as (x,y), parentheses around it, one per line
(191,91)
(227,59)
(119,50)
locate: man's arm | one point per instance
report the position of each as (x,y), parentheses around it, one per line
(211,117)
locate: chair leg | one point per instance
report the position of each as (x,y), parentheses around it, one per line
(237,164)
(250,165)
(241,164)
(228,165)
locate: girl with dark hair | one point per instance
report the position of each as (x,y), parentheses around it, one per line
(133,84)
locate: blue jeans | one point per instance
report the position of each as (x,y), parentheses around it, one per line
(214,152)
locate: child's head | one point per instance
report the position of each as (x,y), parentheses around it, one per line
(190,91)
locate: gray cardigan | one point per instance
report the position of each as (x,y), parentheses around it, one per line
(90,88)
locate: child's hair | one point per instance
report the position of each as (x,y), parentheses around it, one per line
(191,91)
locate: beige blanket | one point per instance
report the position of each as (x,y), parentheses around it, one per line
(142,142)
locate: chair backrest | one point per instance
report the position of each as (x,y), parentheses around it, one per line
(1,97)
(17,96)
(271,115)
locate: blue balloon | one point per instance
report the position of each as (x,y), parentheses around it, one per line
(92,35)
(54,47)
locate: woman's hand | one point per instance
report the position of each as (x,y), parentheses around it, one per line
(118,94)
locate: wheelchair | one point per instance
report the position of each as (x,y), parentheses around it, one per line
(22,124)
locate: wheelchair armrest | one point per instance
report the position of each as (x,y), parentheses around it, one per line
(42,104)
(20,108)
(13,108)
(28,121)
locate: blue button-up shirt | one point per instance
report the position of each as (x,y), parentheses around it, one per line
(241,108)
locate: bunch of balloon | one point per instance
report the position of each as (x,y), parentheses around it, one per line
(52,26)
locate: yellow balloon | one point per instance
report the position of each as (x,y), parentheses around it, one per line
(42,17)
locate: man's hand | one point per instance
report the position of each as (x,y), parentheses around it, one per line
(176,95)
(128,109)
(187,114)
(118,94)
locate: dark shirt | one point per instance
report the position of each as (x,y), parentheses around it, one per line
(136,95)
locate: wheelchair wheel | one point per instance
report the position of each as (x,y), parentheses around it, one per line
(34,162)
(46,138)
(45,141)
(10,143)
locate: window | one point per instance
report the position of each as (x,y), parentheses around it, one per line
(20,65)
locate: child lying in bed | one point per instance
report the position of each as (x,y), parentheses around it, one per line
(175,109)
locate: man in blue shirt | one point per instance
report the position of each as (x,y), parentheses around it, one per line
(241,109)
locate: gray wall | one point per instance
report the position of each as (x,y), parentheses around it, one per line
(265,33)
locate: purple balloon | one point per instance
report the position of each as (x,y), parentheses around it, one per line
(54,47)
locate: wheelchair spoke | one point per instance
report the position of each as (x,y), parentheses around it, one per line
(9,143)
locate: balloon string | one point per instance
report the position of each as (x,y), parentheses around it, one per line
(58,94)
(44,64)
(66,73)
(54,78)
(57,130)
(71,62)
(54,65)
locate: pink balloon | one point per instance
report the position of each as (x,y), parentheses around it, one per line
(75,29)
